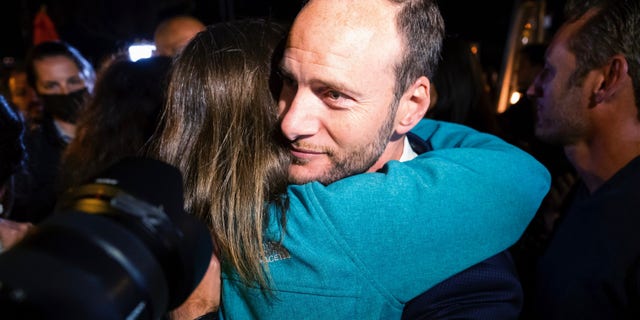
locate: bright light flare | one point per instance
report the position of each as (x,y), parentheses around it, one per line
(141,51)
(515,97)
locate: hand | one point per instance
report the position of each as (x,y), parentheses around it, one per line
(205,298)
(11,232)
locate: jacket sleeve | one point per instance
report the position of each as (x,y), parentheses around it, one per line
(487,290)
(413,224)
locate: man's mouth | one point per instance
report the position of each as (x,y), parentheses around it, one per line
(304,153)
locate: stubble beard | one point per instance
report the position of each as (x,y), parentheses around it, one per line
(350,162)
(563,123)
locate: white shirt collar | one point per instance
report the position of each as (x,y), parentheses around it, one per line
(407,151)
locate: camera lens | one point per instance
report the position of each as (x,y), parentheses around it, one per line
(120,247)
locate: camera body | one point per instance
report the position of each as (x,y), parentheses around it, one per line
(120,247)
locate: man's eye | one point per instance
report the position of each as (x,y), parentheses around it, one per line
(335,95)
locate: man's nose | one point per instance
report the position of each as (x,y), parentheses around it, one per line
(300,115)
(533,89)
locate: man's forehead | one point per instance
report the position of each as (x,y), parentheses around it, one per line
(569,29)
(318,67)
(348,11)
(560,44)
(340,16)
(326,38)
(341,43)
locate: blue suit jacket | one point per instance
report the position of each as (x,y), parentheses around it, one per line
(488,290)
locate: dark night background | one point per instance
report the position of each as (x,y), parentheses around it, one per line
(100,27)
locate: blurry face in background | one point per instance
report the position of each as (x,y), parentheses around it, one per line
(176,35)
(562,106)
(24,96)
(57,75)
(61,87)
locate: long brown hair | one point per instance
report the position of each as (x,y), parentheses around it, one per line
(219,128)
(118,120)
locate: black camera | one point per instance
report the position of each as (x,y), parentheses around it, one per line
(118,247)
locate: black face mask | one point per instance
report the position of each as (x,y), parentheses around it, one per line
(65,106)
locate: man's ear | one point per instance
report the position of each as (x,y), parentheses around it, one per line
(613,75)
(413,105)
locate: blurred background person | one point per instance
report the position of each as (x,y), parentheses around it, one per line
(173,34)
(517,126)
(23,97)
(518,121)
(119,119)
(12,156)
(12,153)
(459,92)
(587,102)
(63,80)
(117,122)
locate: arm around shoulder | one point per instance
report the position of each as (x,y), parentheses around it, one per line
(469,198)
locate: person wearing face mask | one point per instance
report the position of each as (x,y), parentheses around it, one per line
(63,80)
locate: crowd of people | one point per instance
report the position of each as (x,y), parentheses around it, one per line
(351,164)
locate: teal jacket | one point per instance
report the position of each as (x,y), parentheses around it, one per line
(361,247)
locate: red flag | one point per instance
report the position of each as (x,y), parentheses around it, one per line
(43,28)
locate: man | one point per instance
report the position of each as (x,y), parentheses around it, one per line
(341,121)
(363,245)
(172,34)
(587,102)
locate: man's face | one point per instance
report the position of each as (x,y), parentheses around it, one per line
(562,106)
(337,98)
(57,75)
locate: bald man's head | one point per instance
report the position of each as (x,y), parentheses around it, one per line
(174,33)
